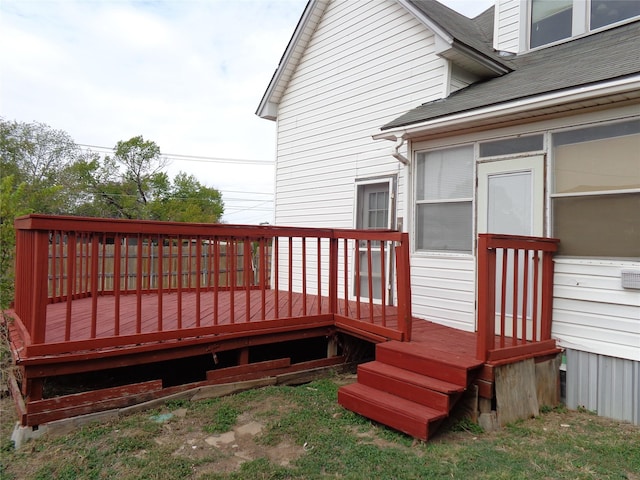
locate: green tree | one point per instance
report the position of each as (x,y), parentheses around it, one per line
(42,170)
(12,204)
(190,201)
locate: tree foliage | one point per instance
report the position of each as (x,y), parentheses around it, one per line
(42,170)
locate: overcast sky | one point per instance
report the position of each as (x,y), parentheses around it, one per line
(187,74)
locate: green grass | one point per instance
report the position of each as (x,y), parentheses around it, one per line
(322,440)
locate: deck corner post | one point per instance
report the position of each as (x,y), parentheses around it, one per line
(486,261)
(404,287)
(547,295)
(38,320)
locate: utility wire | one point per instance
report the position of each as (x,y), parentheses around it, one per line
(195,158)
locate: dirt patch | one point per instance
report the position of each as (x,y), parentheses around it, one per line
(230,449)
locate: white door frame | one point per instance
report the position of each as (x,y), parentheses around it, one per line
(390,181)
(533,165)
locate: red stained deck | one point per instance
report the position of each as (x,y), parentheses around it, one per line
(96,294)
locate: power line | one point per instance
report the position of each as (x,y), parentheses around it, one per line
(196,158)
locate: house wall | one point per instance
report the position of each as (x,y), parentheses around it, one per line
(366,63)
(507,36)
(592,312)
(595,319)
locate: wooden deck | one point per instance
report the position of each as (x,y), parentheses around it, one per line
(98,295)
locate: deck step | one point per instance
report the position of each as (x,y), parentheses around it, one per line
(440,365)
(418,388)
(399,413)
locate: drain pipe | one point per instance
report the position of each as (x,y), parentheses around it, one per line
(395,151)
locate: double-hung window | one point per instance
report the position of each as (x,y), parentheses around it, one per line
(444,198)
(596,190)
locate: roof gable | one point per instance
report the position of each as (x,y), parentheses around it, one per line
(458,38)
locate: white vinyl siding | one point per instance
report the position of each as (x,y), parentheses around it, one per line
(507,23)
(591,310)
(443,290)
(366,63)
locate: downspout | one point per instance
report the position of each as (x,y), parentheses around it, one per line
(395,151)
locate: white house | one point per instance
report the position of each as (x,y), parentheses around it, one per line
(524,120)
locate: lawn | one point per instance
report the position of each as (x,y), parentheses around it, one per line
(301,432)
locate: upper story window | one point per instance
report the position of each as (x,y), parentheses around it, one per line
(555,20)
(550,21)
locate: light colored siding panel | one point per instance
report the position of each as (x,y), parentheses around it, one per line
(443,290)
(592,312)
(358,71)
(610,386)
(507,25)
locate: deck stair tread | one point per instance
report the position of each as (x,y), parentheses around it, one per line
(418,358)
(410,377)
(401,414)
(412,386)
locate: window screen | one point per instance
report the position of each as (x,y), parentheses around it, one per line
(444,192)
(595,199)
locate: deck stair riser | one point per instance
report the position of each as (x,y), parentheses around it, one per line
(409,387)
(412,386)
(401,414)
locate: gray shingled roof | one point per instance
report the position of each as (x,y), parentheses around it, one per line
(595,58)
(470,32)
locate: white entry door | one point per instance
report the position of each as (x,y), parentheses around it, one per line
(374,210)
(510,200)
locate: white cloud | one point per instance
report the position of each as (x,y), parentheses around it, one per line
(186,74)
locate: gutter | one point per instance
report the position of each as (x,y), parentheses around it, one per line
(514,107)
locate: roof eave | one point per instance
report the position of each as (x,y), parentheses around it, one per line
(306,25)
(552,102)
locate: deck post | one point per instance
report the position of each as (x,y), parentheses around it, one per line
(333,275)
(404,287)
(547,295)
(486,297)
(38,320)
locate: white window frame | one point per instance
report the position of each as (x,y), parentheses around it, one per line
(415,202)
(580,25)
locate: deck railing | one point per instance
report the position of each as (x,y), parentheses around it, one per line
(63,259)
(515,295)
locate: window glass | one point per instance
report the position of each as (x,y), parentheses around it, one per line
(509,146)
(445,174)
(598,225)
(596,205)
(444,226)
(606,12)
(551,21)
(444,191)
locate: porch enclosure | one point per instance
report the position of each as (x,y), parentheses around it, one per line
(89,283)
